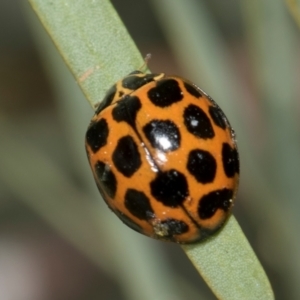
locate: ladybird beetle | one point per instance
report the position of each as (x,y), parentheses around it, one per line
(164,157)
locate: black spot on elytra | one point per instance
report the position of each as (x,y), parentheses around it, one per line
(126,110)
(135,82)
(163,135)
(202,165)
(210,203)
(170,188)
(166,92)
(173,227)
(218,116)
(126,156)
(230,160)
(197,122)
(107,99)
(192,90)
(106,179)
(138,204)
(96,135)
(129,222)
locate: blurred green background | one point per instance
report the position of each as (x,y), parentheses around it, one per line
(58,240)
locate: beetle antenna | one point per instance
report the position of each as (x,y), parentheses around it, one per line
(146,60)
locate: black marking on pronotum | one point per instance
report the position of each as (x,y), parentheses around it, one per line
(135,82)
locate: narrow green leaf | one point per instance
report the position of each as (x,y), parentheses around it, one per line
(229,265)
